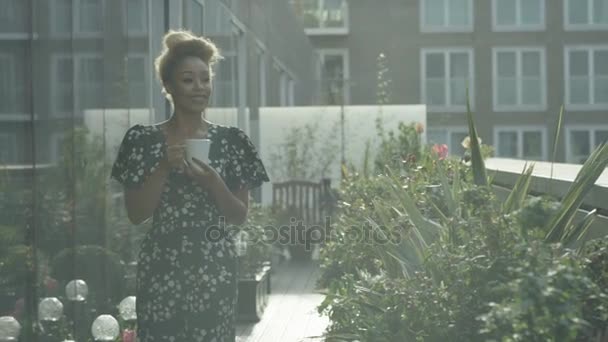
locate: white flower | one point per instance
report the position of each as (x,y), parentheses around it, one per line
(466,143)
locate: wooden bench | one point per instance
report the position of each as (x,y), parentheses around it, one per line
(305,201)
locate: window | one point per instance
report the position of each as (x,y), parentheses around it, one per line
(586,77)
(12,85)
(518,15)
(519,79)
(137,71)
(520,142)
(446,76)
(13,16)
(77,82)
(224,81)
(216,19)
(8,152)
(81,17)
(333,72)
(586,14)
(194,16)
(136,14)
(89,82)
(452,136)
(323,16)
(582,140)
(446,15)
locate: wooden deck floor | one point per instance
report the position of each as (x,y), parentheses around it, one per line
(291,314)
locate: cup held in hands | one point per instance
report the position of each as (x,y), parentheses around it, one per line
(199,149)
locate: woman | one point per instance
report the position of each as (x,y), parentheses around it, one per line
(186,281)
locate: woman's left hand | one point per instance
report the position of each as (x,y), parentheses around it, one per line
(202,173)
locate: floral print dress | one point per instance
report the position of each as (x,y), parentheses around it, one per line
(187,267)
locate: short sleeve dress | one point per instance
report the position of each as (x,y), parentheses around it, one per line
(187,277)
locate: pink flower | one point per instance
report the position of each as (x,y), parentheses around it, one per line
(440,150)
(128,335)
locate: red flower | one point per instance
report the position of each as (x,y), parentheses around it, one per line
(50,284)
(440,150)
(128,335)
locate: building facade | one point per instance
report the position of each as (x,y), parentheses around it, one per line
(60,59)
(519,61)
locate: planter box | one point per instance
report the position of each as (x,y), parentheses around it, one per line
(253,296)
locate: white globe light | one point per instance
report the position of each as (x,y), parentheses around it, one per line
(127,309)
(50,309)
(77,290)
(9,328)
(105,328)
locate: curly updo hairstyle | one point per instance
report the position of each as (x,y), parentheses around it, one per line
(178,45)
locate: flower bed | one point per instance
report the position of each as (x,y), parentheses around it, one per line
(424,251)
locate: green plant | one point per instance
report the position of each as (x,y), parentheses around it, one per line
(305,154)
(467,267)
(258,249)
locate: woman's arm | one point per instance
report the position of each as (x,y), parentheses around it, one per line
(141,202)
(232,205)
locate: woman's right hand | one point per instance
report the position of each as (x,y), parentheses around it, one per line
(176,156)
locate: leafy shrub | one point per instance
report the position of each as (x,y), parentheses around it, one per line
(258,249)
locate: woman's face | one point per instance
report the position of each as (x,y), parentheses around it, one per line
(191,87)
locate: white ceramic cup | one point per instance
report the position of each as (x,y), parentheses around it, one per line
(199,149)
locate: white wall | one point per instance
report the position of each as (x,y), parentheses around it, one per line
(112,124)
(274,124)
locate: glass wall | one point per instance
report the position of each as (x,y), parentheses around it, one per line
(74,76)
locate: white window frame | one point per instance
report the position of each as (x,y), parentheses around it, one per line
(520,130)
(11,137)
(145,11)
(519,107)
(262,73)
(446,27)
(588,26)
(590,49)
(330,30)
(53,79)
(519,26)
(590,129)
(345,69)
(76,32)
(447,51)
(291,92)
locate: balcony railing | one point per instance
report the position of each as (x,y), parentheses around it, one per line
(323,17)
